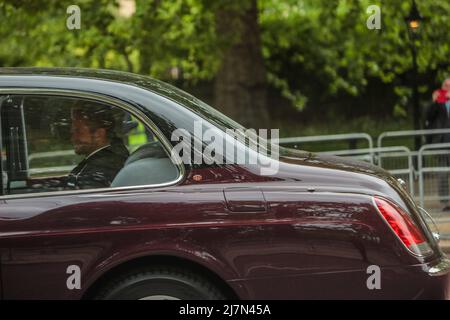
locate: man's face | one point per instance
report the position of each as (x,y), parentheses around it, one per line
(84,140)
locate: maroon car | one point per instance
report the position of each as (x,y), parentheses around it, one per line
(109,190)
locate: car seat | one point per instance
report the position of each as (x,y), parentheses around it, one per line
(148,165)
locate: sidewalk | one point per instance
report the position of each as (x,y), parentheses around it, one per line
(445,245)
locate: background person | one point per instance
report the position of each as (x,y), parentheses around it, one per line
(438,117)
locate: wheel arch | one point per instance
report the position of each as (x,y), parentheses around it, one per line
(163,260)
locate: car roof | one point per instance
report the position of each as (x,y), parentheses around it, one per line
(145,82)
(100,74)
(73,72)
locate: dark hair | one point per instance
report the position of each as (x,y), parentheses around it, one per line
(96,116)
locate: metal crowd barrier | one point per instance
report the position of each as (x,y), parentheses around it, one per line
(68,165)
(348,137)
(437,166)
(399,162)
(408,133)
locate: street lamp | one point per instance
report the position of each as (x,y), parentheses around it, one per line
(414,19)
(414,22)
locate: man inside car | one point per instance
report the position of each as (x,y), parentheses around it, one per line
(93,136)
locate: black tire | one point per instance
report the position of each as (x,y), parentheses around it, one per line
(163,283)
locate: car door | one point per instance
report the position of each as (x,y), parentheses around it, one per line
(4,252)
(47,243)
(58,244)
(53,235)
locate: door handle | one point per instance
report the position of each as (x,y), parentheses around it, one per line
(245,200)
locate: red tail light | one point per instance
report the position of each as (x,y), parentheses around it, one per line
(403,226)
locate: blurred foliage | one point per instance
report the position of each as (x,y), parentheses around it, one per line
(329,43)
(307,44)
(159,36)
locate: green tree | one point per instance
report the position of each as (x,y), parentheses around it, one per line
(317,50)
(318,54)
(240,85)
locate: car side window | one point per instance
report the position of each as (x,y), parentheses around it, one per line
(54,143)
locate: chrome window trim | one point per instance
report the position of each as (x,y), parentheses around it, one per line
(436,234)
(116,103)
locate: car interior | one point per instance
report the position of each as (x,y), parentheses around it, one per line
(25,171)
(139,169)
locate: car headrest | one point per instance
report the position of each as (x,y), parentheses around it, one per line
(148,165)
(149,150)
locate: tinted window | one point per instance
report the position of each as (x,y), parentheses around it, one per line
(52,143)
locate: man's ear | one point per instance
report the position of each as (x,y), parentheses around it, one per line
(100,134)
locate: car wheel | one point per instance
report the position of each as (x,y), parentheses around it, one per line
(160,283)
